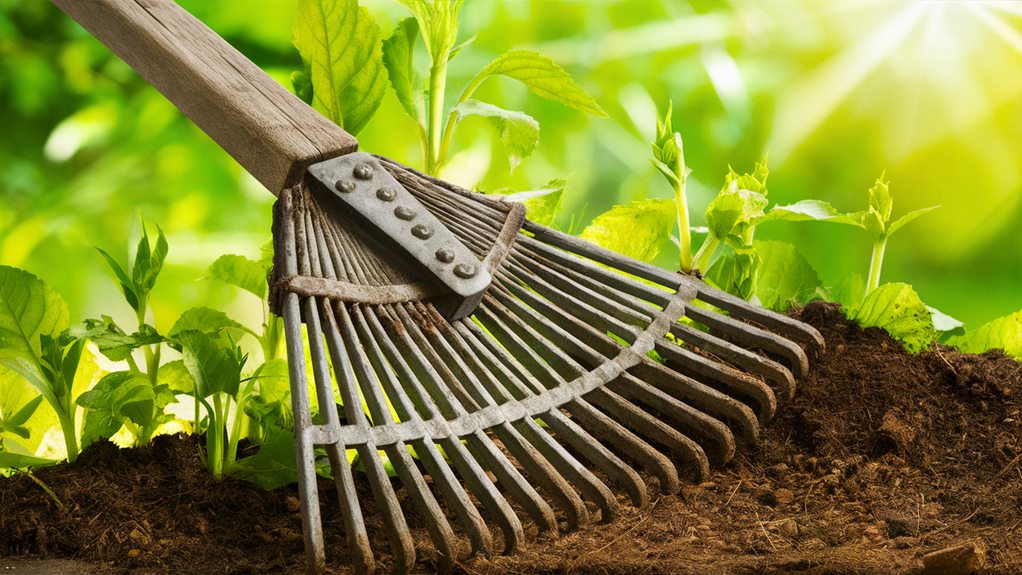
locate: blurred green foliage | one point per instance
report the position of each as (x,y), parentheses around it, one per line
(835,92)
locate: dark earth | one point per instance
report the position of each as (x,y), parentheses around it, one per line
(881,458)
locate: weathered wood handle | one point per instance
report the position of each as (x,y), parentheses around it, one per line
(270,132)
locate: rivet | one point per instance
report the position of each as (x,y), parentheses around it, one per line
(465,271)
(386,194)
(404,213)
(344,187)
(445,255)
(362,171)
(422,231)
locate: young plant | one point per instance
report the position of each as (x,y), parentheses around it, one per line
(875,219)
(35,347)
(250,275)
(347,66)
(669,158)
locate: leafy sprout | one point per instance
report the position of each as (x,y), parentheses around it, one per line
(669,158)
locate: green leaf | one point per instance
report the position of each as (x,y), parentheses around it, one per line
(128,287)
(10,460)
(541,205)
(241,272)
(880,199)
(636,230)
(669,151)
(273,466)
(733,211)
(15,423)
(340,43)
(301,83)
(735,271)
(398,57)
(175,376)
(810,210)
(113,342)
(518,131)
(944,323)
(203,319)
(784,277)
(896,308)
(29,308)
(1002,333)
(16,395)
(438,20)
(118,396)
(212,362)
(900,222)
(149,260)
(542,76)
(849,291)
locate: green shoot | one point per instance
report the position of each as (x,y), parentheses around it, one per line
(669,158)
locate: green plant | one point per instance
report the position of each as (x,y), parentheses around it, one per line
(250,275)
(347,63)
(34,345)
(669,158)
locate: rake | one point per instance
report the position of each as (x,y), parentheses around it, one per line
(505,369)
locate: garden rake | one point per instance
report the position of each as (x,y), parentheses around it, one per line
(506,370)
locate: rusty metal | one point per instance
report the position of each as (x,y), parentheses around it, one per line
(574,372)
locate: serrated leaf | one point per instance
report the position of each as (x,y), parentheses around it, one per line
(636,230)
(175,376)
(733,211)
(543,77)
(735,271)
(784,277)
(211,361)
(849,291)
(241,272)
(29,308)
(113,342)
(518,132)
(398,57)
(118,396)
(438,20)
(1002,333)
(810,210)
(897,309)
(340,42)
(203,319)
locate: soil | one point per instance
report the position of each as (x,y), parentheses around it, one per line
(880,458)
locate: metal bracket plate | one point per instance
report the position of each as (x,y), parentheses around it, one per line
(361,182)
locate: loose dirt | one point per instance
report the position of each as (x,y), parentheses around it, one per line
(881,458)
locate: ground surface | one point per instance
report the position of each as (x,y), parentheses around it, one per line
(880,458)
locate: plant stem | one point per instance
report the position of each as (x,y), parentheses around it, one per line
(876,264)
(214,439)
(684,230)
(702,257)
(67,426)
(45,488)
(437,87)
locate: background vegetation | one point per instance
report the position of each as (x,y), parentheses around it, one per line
(834,92)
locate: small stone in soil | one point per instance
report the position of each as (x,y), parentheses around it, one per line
(956,560)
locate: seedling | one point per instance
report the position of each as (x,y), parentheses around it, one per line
(669,158)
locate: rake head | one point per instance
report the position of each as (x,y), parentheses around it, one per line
(530,373)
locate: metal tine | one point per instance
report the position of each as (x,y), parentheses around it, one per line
(424,362)
(575,472)
(372,335)
(755,337)
(436,522)
(566,311)
(496,318)
(401,544)
(576,437)
(470,471)
(620,321)
(351,513)
(610,285)
(365,257)
(738,307)
(603,427)
(631,389)
(528,456)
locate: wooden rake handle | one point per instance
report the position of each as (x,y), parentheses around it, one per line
(269,131)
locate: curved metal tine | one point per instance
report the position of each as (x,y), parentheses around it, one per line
(755,337)
(496,318)
(635,391)
(617,470)
(421,358)
(604,428)
(566,464)
(538,468)
(436,522)
(770,371)
(738,307)
(473,475)
(685,389)
(308,491)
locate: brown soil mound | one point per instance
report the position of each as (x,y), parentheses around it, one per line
(880,458)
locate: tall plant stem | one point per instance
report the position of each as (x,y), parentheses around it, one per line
(437,87)
(684,229)
(67,426)
(876,264)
